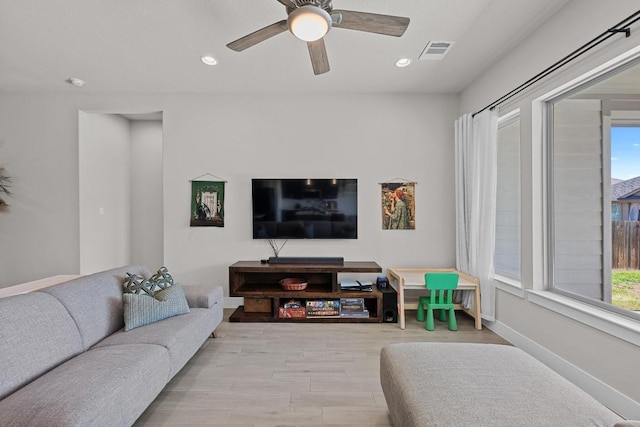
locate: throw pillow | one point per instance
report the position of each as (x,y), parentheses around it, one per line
(162,278)
(137,284)
(142,309)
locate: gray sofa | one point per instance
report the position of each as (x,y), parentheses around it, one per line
(446,384)
(65,359)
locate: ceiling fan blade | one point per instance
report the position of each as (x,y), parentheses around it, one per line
(289,3)
(319,59)
(258,36)
(372,22)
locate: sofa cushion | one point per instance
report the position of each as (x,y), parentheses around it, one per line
(36,334)
(95,302)
(181,335)
(110,386)
(143,309)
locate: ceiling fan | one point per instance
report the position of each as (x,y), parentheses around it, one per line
(310,20)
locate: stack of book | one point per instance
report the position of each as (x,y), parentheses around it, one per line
(353,308)
(323,308)
(356,285)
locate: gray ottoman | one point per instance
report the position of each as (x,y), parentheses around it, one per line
(459,384)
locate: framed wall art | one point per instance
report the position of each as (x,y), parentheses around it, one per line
(207,203)
(398,205)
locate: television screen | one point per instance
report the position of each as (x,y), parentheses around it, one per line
(305,208)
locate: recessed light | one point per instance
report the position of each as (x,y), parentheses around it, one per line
(209,60)
(76,81)
(403,62)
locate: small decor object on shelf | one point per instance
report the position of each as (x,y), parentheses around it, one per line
(398,206)
(5,184)
(275,248)
(294,284)
(207,203)
(382,282)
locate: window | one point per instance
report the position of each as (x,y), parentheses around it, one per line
(625,166)
(581,189)
(615,212)
(507,244)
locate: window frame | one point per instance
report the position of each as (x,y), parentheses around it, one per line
(599,309)
(506,281)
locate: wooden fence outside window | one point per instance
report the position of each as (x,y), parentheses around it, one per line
(625,245)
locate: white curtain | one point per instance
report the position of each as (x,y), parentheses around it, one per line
(476,171)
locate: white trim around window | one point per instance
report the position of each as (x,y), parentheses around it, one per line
(507,284)
(616,325)
(508,268)
(609,322)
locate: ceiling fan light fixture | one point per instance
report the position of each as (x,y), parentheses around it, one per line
(309,23)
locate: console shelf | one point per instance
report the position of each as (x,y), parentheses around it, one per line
(259,284)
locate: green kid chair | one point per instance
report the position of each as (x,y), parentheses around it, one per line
(441,287)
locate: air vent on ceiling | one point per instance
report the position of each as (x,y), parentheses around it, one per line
(436,50)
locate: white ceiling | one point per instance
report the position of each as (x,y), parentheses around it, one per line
(155,46)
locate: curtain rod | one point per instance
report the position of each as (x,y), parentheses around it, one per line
(621,27)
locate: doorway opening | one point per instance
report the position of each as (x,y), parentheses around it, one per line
(120,190)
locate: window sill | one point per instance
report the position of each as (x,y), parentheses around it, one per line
(611,323)
(509,285)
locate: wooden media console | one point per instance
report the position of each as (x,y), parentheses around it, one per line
(259,284)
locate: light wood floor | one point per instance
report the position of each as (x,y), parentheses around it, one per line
(288,374)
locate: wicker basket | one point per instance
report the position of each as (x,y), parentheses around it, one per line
(293,284)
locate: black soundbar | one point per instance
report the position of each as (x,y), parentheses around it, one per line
(306,260)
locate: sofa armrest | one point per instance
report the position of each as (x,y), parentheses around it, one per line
(205,296)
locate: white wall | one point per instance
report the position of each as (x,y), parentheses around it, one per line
(147,215)
(599,361)
(105,191)
(40,151)
(374,138)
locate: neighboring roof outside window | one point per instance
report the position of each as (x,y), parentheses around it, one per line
(626,190)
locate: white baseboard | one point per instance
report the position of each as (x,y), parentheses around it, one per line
(610,397)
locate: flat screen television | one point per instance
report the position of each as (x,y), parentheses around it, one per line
(301,208)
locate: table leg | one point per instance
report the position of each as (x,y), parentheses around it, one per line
(401,301)
(478,313)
